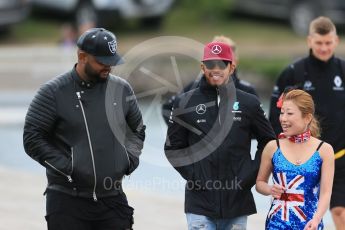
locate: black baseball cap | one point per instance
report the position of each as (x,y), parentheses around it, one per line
(101,44)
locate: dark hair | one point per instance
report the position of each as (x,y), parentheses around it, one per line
(322,25)
(306,105)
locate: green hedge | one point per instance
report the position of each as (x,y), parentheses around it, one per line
(267,67)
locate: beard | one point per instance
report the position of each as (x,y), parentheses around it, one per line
(93,75)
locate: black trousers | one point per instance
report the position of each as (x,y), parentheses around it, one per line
(58,221)
(65,212)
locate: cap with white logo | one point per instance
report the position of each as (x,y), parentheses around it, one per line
(217,51)
(101,44)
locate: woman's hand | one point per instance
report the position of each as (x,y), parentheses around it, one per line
(277,190)
(312,224)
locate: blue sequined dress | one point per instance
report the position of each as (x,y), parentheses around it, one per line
(299,202)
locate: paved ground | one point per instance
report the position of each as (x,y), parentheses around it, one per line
(22,206)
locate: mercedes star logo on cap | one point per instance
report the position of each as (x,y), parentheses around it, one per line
(216,49)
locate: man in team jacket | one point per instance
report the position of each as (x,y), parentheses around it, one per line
(209,142)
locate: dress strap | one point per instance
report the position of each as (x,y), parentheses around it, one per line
(277,140)
(318,147)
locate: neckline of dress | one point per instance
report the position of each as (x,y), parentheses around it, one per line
(305,162)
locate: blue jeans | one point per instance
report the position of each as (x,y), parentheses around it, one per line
(199,222)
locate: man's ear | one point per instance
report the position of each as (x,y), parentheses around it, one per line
(82,56)
(202,68)
(309,38)
(337,40)
(232,67)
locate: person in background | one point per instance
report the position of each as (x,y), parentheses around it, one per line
(209,141)
(321,74)
(240,84)
(86,129)
(302,167)
(68,36)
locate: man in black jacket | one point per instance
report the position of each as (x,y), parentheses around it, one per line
(209,141)
(322,75)
(86,129)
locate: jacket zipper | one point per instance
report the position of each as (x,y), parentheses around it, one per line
(218,104)
(59,171)
(219,193)
(90,145)
(72,155)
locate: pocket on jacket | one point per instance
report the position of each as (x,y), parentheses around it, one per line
(122,162)
(55,171)
(113,165)
(82,167)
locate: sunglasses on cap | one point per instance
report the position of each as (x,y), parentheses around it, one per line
(211,64)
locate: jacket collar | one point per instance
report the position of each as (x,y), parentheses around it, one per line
(317,62)
(222,90)
(235,78)
(80,81)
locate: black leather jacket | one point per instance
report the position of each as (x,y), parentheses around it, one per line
(87,135)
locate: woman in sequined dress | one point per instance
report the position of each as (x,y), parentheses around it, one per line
(302,168)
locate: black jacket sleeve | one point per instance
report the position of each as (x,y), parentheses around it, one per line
(284,80)
(262,131)
(135,133)
(176,144)
(38,133)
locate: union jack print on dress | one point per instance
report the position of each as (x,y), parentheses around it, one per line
(291,199)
